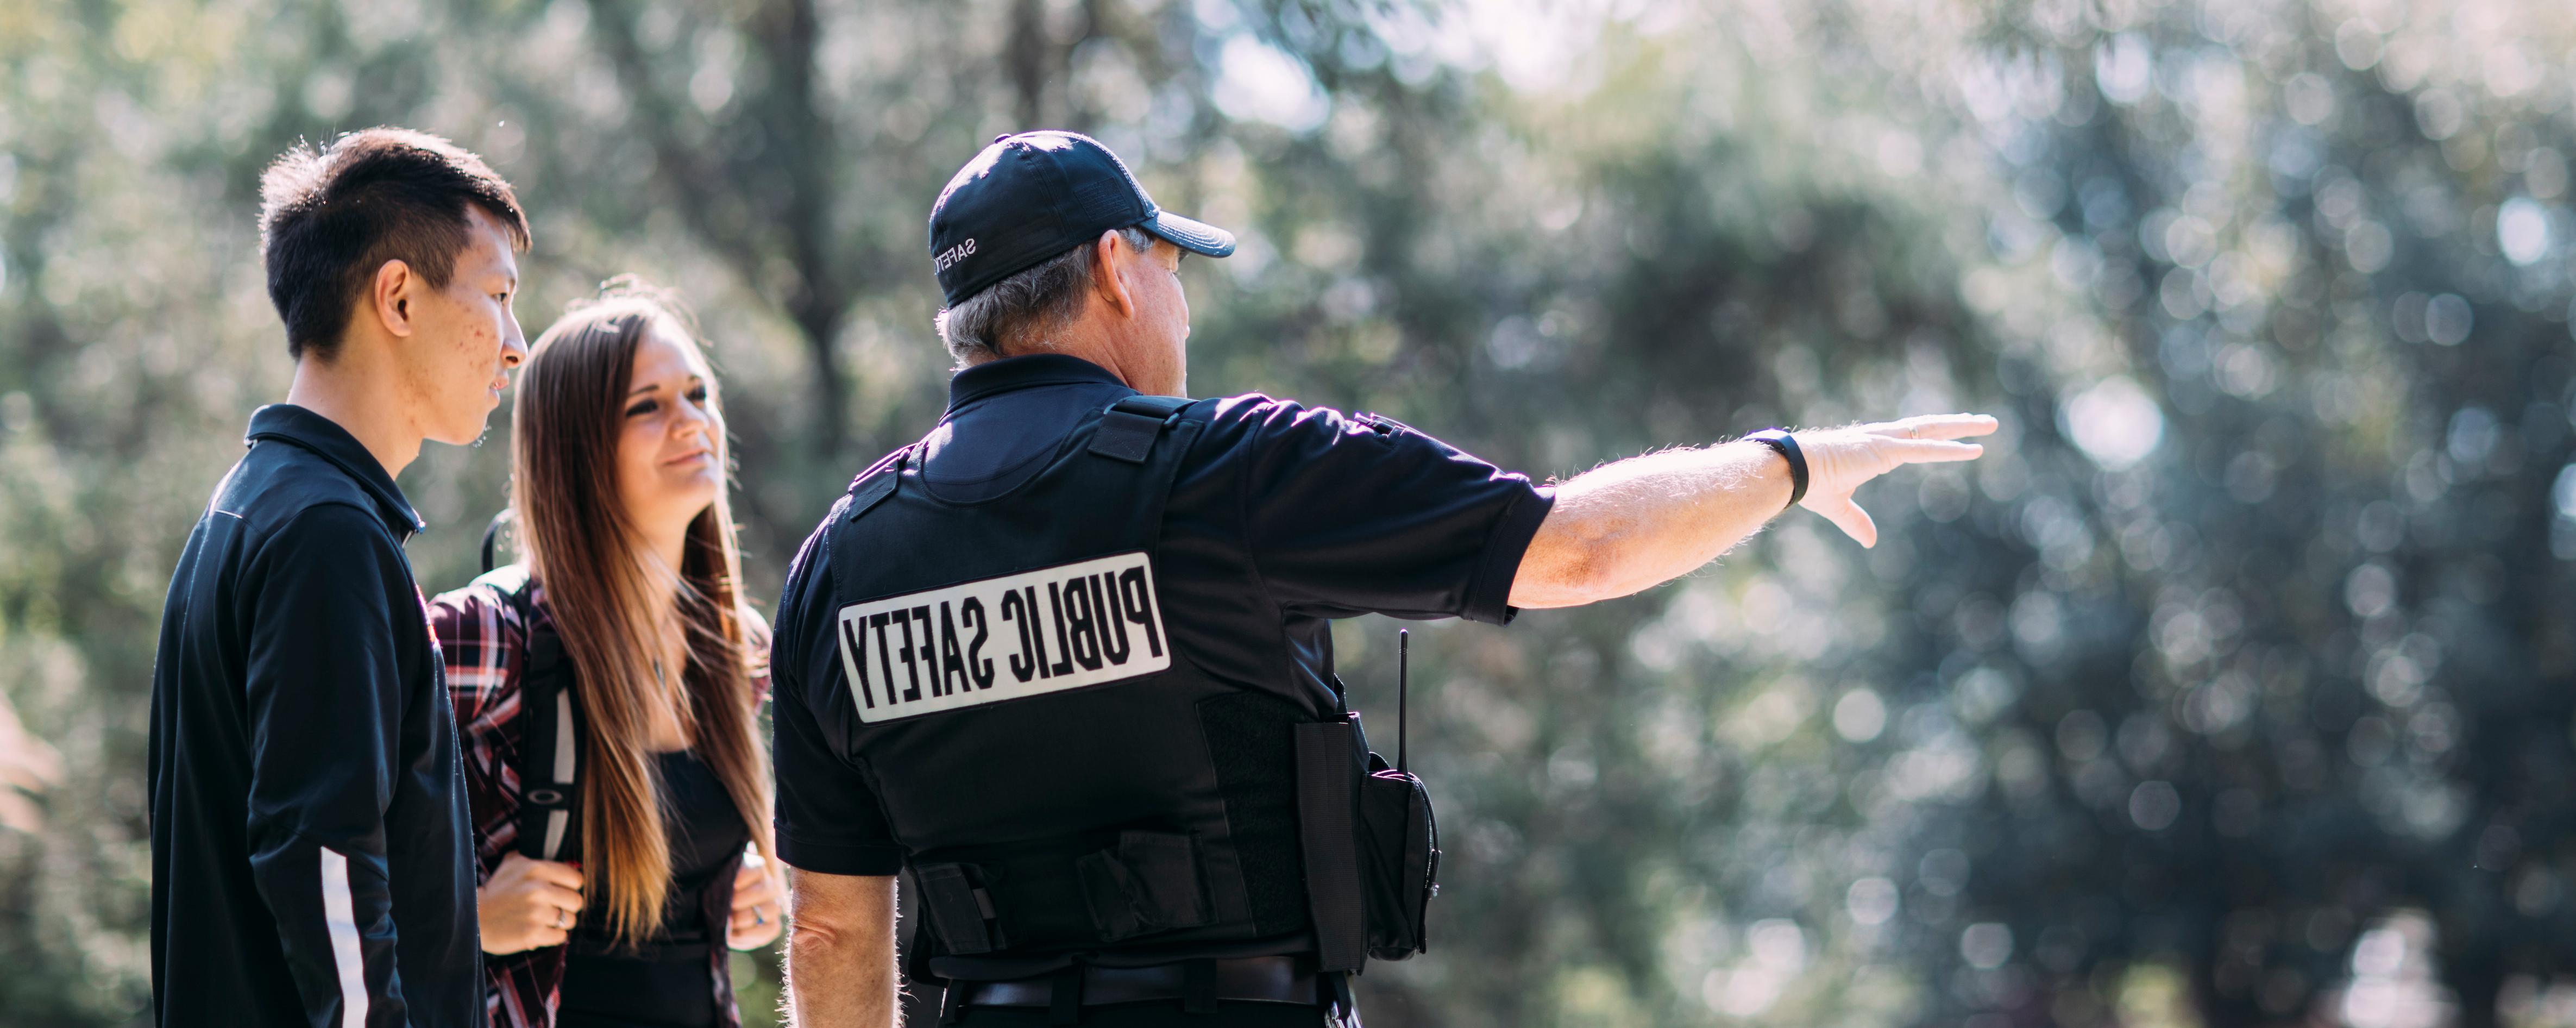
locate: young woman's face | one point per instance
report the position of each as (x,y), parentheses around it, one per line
(670,454)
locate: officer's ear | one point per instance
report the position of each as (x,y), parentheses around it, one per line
(1111,257)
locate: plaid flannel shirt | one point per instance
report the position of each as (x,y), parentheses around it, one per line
(485,648)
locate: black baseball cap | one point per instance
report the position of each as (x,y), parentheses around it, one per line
(1033,195)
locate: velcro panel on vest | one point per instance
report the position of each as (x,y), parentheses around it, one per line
(1127,432)
(958,910)
(1150,883)
(1251,738)
(1327,778)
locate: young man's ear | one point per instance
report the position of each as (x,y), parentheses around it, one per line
(391,295)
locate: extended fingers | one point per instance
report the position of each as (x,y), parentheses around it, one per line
(1937,426)
(1930,451)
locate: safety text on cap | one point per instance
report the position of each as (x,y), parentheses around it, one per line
(1004,638)
(948,258)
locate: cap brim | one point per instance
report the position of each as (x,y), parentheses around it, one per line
(1197,237)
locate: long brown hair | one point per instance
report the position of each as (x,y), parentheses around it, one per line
(582,547)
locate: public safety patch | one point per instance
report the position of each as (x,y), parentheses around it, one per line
(1004,638)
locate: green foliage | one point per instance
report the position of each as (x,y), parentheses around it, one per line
(2252,632)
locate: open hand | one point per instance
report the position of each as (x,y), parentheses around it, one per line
(1840,459)
(528,904)
(755,919)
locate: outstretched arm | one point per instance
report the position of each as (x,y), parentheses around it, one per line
(1633,524)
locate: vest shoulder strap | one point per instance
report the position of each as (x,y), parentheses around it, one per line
(1128,431)
(872,486)
(550,732)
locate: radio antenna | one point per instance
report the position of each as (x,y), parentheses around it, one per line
(1403,657)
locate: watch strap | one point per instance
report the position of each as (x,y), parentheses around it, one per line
(1780,440)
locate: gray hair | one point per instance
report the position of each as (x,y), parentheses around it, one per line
(1026,306)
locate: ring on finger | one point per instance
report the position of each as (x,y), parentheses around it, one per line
(758,919)
(560,921)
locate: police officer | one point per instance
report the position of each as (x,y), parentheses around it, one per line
(1067,659)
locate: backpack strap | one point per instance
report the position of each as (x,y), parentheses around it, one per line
(1128,430)
(492,535)
(550,731)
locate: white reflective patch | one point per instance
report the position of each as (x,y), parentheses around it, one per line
(565,764)
(565,754)
(1004,638)
(340,914)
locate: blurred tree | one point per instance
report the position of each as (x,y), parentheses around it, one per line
(2252,630)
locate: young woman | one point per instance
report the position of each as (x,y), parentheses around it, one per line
(629,557)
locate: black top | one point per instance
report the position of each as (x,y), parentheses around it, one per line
(669,980)
(311,852)
(1337,516)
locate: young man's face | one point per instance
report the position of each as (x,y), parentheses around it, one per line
(465,337)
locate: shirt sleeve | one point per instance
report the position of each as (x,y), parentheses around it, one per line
(481,643)
(1362,515)
(828,819)
(323,687)
(479,637)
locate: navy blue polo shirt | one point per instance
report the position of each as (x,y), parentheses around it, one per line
(1335,515)
(311,852)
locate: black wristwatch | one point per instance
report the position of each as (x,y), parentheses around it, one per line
(1779,439)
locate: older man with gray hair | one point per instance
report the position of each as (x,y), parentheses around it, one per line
(1068,658)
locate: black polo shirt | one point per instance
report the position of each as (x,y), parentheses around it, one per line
(311,852)
(1336,515)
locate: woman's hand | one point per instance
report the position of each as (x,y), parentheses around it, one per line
(755,905)
(527,904)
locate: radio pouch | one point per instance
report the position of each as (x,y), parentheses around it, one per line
(1399,860)
(1371,848)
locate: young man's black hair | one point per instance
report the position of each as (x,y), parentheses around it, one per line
(330,216)
(312,855)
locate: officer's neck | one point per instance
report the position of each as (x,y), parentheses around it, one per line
(1132,361)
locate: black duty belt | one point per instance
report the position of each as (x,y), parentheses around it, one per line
(1198,984)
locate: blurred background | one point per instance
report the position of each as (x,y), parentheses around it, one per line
(2233,687)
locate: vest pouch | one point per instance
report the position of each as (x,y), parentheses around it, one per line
(1148,883)
(960,909)
(1328,772)
(1069,893)
(1399,851)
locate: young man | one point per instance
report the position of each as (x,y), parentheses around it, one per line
(311,855)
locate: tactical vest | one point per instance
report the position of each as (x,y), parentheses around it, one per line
(1069,785)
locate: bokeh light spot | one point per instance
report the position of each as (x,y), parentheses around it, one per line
(2114,422)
